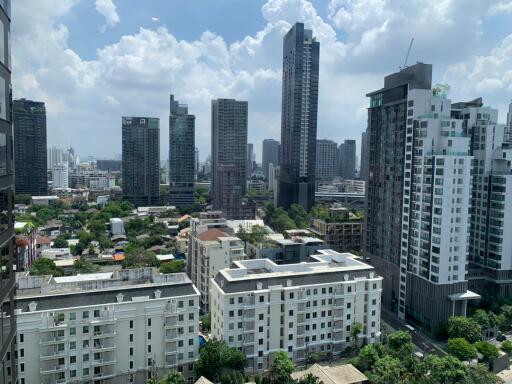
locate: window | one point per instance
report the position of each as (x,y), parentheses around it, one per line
(131,351)
(191,315)
(131,364)
(131,337)
(96,313)
(191,303)
(85,314)
(85,372)
(190,341)
(72,359)
(85,357)
(149,335)
(85,329)
(131,324)
(232,300)
(262,299)
(72,316)
(149,322)
(72,331)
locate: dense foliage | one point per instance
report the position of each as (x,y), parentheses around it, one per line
(44,266)
(173,266)
(217,358)
(459,326)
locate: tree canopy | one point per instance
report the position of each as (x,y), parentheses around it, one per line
(215,357)
(461,348)
(43,266)
(173,266)
(459,326)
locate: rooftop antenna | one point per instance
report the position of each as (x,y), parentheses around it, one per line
(408,53)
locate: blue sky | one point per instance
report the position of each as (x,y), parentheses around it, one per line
(93,61)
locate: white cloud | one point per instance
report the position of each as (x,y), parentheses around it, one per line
(503,7)
(107,9)
(155,19)
(361,41)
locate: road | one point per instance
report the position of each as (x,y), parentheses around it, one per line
(422,342)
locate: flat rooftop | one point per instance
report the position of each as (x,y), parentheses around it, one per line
(325,266)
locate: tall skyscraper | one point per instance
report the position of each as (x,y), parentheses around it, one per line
(54,156)
(141,160)
(347,159)
(8,372)
(60,176)
(509,116)
(363,172)
(417,197)
(229,158)
(270,155)
(29,126)
(326,159)
(250,158)
(182,155)
(301,53)
(490,249)
(196,163)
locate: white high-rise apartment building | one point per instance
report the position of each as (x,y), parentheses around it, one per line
(60,176)
(261,307)
(210,249)
(490,249)
(436,201)
(55,156)
(119,327)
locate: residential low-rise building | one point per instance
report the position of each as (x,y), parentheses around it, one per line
(261,307)
(116,327)
(341,231)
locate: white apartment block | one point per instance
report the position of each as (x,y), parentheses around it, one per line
(260,307)
(490,249)
(436,203)
(116,327)
(60,176)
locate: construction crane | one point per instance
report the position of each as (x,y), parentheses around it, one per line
(408,53)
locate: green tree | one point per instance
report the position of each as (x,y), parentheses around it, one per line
(23,199)
(299,215)
(320,212)
(400,344)
(367,357)
(505,317)
(231,376)
(506,347)
(173,266)
(488,350)
(461,348)
(60,242)
(138,258)
(43,266)
(388,370)
(479,374)
(459,326)
(309,378)
(172,377)
(216,356)
(206,321)
(446,369)
(82,266)
(281,369)
(357,328)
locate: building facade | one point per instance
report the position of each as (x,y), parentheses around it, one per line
(210,249)
(419,186)
(229,159)
(363,172)
(182,151)
(326,159)
(269,155)
(60,176)
(121,327)
(301,53)
(30,163)
(315,303)
(347,159)
(8,371)
(339,233)
(54,156)
(141,160)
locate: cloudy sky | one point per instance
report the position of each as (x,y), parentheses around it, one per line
(93,61)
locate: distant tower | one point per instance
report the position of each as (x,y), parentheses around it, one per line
(229,158)
(141,160)
(182,155)
(347,159)
(270,155)
(301,53)
(29,127)
(364,160)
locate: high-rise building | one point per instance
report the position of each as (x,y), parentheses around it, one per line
(363,172)
(316,303)
(326,159)
(229,158)
(417,197)
(250,158)
(109,165)
(54,156)
(490,249)
(182,155)
(196,163)
(8,371)
(29,127)
(347,159)
(301,53)
(270,155)
(508,129)
(60,176)
(141,160)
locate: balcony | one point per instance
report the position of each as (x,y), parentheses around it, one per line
(102,362)
(51,353)
(52,339)
(103,345)
(104,330)
(48,369)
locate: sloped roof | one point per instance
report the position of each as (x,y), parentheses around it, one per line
(340,374)
(203,380)
(211,234)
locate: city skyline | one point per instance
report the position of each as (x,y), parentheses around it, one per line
(253,78)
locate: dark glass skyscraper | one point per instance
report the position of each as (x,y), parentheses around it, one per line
(181,154)
(29,125)
(229,158)
(301,53)
(7,283)
(141,160)
(270,154)
(363,168)
(347,159)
